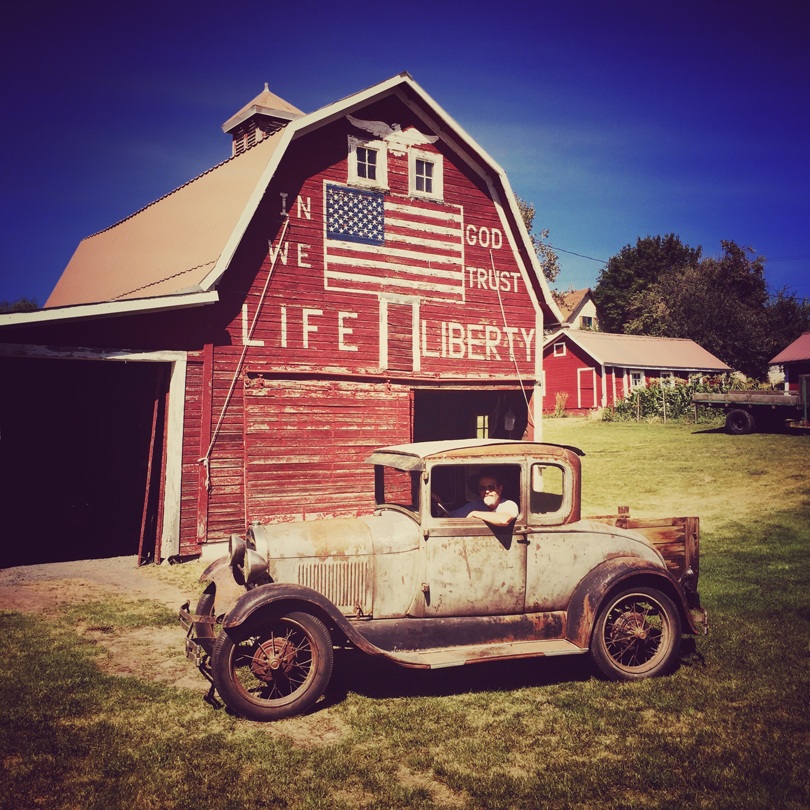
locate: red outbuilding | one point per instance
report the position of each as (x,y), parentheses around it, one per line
(355,277)
(795,361)
(597,369)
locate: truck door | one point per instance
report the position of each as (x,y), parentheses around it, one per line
(471,567)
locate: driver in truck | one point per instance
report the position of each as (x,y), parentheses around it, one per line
(489,506)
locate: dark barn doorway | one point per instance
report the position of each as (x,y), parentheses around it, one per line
(468,414)
(76,439)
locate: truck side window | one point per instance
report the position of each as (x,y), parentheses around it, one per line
(547,489)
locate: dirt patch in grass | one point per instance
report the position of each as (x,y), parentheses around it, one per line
(150,653)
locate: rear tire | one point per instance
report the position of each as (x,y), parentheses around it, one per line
(637,635)
(740,422)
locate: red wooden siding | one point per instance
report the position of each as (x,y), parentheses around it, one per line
(307,442)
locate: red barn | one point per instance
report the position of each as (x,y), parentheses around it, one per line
(355,277)
(597,369)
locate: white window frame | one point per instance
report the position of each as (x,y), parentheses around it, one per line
(634,384)
(381,148)
(438,174)
(669,377)
(559,345)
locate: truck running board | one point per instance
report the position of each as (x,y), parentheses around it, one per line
(477,653)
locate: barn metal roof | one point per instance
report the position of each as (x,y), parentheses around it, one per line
(184,242)
(171,245)
(798,350)
(640,351)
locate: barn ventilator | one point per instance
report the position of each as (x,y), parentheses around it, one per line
(511,350)
(207,457)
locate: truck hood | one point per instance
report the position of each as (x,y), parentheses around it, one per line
(387,532)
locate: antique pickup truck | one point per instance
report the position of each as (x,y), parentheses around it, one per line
(424,589)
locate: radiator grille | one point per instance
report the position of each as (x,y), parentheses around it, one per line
(343,582)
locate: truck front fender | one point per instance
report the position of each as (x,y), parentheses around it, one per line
(621,572)
(295,597)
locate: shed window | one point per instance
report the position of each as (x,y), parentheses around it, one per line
(636,379)
(559,349)
(668,379)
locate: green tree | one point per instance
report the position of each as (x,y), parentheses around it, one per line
(20,305)
(720,303)
(788,317)
(545,253)
(634,270)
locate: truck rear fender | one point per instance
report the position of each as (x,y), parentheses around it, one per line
(286,597)
(612,575)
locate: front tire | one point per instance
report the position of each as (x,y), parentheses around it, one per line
(637,635)
(274,666)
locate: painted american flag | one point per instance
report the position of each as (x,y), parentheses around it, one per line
(377,243)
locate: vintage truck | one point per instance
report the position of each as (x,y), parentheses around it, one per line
(749,411)
(426,590)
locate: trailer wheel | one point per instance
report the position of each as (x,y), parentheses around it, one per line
(740,422)
(273,666)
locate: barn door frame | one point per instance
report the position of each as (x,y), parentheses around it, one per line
(169,540)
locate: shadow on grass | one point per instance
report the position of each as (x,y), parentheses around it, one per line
(379,678)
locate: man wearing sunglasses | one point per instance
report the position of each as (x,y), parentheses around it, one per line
(489,506)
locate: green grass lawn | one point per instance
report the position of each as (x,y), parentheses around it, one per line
(729,729)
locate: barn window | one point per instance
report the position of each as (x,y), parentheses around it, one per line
(425,175)
(368,163)
(482,426)
(559,349)
(668,379)
(636,379)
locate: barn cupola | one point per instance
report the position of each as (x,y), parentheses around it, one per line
(263,116)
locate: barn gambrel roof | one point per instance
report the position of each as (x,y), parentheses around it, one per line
(641,351)
(178,248)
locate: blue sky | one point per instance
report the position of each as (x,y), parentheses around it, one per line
(617,120)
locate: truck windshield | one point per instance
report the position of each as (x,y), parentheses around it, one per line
(394,487)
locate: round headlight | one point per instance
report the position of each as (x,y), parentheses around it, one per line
(236,550)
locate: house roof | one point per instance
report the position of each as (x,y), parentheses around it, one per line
(640,351)
(798,350)
(571,301)
(184,241)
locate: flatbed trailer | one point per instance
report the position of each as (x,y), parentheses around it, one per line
(748,411)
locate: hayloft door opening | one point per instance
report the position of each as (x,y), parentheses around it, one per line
(488,414)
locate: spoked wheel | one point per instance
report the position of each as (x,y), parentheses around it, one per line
(275,666)
(637,635)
